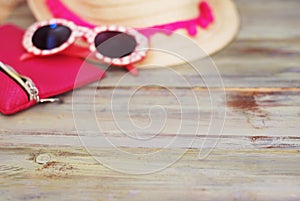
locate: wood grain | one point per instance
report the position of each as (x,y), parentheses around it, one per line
(228,174)
(256,157)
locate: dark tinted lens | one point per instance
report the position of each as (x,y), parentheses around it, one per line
(115,44)
(51,36)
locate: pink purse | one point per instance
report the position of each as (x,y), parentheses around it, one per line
(26,83)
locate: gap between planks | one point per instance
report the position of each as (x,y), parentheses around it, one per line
(227,89)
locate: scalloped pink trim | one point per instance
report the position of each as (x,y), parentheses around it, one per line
(203,20)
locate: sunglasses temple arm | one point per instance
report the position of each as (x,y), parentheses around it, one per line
(74,51)
(25,56)
(77,51)
(81,52)
(132,69)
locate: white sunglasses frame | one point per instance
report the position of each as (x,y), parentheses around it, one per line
(138,54)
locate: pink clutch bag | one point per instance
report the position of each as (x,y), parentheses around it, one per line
(27,83)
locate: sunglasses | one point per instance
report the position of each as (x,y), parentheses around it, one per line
(114,45)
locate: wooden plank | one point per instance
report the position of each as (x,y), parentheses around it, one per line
(227,174)
(273,113)
(21,16)
(274,20)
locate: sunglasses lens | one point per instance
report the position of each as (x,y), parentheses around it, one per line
(114,44)
(51,36)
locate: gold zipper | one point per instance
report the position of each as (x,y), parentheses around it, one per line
(26,83)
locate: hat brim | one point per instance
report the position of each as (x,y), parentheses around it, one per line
(210,40)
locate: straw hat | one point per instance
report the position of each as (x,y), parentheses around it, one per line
(144,13)
(6,7)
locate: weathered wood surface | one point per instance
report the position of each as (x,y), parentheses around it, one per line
(257,155)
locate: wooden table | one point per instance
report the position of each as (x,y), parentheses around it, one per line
(257,155)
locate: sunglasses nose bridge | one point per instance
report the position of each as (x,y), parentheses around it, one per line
(82,31)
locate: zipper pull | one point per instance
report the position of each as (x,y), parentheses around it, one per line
(32,90)
(34,93)
(51,100)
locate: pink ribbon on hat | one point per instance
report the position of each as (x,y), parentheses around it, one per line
(203,20)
